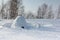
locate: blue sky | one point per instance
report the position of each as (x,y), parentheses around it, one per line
(32,5)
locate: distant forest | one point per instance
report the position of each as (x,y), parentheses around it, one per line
(14,8)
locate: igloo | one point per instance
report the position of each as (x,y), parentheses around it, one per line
(20,22)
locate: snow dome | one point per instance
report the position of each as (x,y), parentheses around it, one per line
(19,22)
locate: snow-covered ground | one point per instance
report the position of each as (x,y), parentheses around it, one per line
(42,29)
(14,34)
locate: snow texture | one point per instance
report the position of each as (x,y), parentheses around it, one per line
(39,29)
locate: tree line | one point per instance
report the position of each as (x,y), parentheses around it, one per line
(14,8)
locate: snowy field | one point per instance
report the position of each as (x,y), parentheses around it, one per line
(41,30)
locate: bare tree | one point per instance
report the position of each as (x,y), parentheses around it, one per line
(21,11)
(58,15)
(30,15)
(44,10)
(16,8)
(50,14)
(39,13)
(13,9)
(2,9)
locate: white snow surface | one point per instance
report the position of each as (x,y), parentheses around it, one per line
(41,29)
(14,34)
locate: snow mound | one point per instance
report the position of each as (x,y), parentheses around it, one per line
(7,25)
(1,27)
(48,25)
(20,22)
(35,25)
